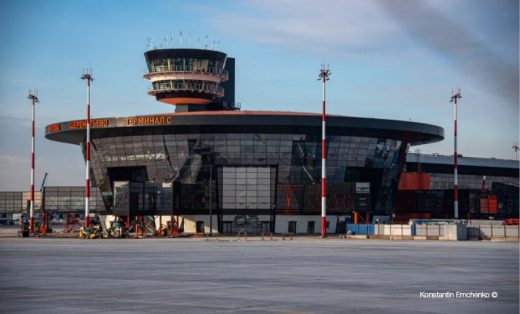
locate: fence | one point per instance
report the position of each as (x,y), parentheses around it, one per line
(396,230)
(360,229)
(427,230)
(493,231)
(441,231)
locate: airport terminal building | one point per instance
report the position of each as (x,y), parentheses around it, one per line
(223,168)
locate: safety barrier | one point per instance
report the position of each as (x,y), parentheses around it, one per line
(435,231)
(494,232)
(360,229)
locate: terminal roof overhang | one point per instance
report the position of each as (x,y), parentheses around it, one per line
(73,132)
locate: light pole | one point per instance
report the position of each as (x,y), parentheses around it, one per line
(324,77)
(210,200)
(87,76)
(455,95)
(34,99)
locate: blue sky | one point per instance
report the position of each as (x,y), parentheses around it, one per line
(390,59)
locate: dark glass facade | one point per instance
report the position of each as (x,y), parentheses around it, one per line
(17,202)
(501,183)
(66,199)
(189,85)
(255,173)
(59,199)
(438,204)
(206,66)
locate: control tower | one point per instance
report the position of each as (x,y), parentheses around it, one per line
(192,79)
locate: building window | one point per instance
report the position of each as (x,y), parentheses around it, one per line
(199,226)
(292,227)
(310,227)
(246,187)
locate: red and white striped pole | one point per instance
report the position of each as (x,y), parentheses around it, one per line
(324,77)
(34,100)
(454,98)
(87,76)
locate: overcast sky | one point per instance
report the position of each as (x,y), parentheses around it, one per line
(394,59)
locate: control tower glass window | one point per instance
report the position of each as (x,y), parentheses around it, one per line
(186,76)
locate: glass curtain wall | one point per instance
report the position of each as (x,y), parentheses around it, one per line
(200,162)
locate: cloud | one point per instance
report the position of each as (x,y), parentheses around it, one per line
(390,31)
(334,27)
(466,52)
(10,160)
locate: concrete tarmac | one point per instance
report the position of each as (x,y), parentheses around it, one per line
(223,276)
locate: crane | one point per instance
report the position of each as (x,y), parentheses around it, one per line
(43,228)
(43,181)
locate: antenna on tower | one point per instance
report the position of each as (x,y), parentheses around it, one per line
(33,95)
(87,74)
(33,92)
(149,43)
(455,94)
(180,39)
(324,72)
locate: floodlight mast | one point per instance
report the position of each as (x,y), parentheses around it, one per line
(87,75)
(34,99)
(455,95)
(324,77)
